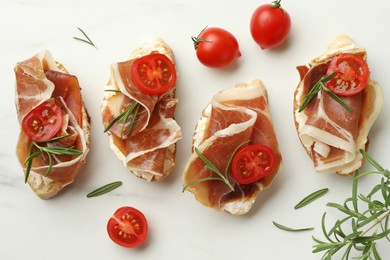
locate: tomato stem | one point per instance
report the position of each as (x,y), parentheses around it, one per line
(276,4)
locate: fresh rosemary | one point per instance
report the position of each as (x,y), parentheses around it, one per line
(87,40)
(291,229)
(212,167)
(367,225)
(320,85)
(124,117)
(311,197)
(104,189)
(49,151)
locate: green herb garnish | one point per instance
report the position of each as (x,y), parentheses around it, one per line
(291,229)
(49,151)
(212,167)
(367,226)
(87,40)
(320,85)
(104,189)
(311,197)
(124,117)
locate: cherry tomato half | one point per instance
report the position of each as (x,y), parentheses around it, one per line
(216,47)
(351,74)
(270,25)
(252,163)
(43,122)
(153,74)
(127,227)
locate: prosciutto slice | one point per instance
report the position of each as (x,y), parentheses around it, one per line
(32,88)
(330,134)
(148,150)
(234,116)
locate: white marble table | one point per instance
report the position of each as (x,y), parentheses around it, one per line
(72,226)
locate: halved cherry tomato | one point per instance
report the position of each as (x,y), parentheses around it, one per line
(252,163)
(128,227)
(43,122)
(153,74)
(351,74)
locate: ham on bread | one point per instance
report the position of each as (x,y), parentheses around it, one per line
(234,116)
(149,150)
(331,135)
(33,87)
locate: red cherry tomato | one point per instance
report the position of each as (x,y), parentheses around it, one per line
(351,74)
(128,227)
(216,47)
(252,163)
(270,25)
(43,122)
(153,74)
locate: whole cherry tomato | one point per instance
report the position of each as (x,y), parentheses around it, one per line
(216,47)
(128,227)
(270,25)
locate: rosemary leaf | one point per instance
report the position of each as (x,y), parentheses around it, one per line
(291,229)
(104,189)
(232,155)
(29,162)
(50,164)
(113,90)
(316,88)
(87,40)
(133,119)
(200,180)
(311,197)
(335,97)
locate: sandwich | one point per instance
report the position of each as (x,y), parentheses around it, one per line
(335,105)
(55,127)
(138,111)
(235,153)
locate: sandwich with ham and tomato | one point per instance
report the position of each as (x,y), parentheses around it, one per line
(235,150)
(138,111)
(54,139)
(335,105)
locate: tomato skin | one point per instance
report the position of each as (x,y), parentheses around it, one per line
(252,163)
(127,227)
(351,76)
(153,74)
(270,25)
(43,122)
(216,47)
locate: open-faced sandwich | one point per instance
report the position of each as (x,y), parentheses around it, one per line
(54,140)
(138,111)
(235,150)
(335,105)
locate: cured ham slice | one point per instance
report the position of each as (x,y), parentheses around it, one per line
(330,134)
(234,116)
(147,148)
(34,87)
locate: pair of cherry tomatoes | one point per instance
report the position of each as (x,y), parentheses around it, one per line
(218,48)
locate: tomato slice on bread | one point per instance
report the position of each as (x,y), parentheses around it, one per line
(153,74)
(252,163)
(43,122)
(127,227)
(351,76)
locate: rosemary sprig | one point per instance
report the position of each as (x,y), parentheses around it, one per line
(311,197)
(320,85)
(87,40)
(291,229)
(104,189)
(124,117)
(367,225)
(212,167)
(49,151)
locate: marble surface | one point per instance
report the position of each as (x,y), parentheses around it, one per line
(72,226)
